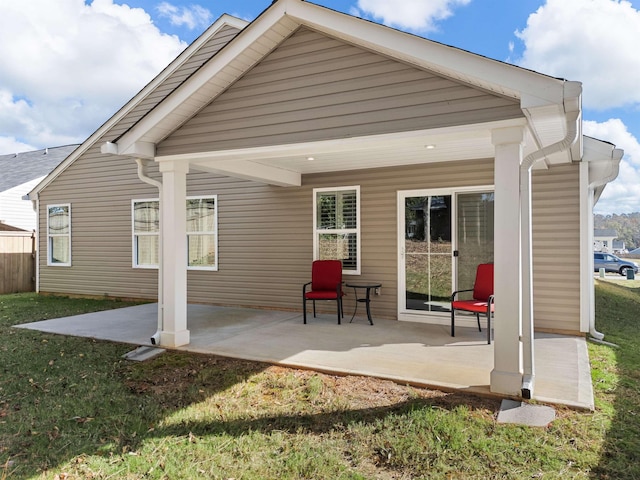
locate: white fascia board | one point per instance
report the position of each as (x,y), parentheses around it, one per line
(224,20)
(450,61)
(604,163)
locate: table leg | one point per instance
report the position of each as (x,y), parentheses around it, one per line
(355,309)
(367,303)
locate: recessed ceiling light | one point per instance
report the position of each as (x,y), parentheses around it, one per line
(311,159)
(429,147)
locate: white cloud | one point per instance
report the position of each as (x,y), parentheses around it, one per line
(593,41)
(414,15)
(192,17)
(11,145)
(68,66)
(623,194)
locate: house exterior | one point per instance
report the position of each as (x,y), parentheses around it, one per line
(308,134)
(21,172)
(603,240)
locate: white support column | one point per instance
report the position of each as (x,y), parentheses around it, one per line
(174,253)
(506,377)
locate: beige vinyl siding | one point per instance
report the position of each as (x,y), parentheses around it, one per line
(265,232)
(556,248)
(99,189)
(313,87)
(266,235)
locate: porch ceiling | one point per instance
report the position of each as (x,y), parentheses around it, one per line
(285,164)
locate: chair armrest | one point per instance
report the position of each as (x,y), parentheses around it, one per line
(304,287)
(453,295)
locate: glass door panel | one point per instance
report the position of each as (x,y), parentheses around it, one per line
(474,224)
(428,253)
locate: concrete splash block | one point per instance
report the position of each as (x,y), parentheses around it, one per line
(143,353)
(525,414)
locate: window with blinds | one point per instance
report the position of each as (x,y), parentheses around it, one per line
(59,235)
(202,233)
(337,226)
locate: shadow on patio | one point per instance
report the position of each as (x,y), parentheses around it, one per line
(408,353)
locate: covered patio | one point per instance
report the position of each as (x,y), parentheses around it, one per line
(409,353)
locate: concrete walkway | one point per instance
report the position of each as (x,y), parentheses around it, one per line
(412,353)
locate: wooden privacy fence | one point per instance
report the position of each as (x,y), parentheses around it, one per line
(17,262)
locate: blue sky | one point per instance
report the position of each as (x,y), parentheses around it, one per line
(68,65)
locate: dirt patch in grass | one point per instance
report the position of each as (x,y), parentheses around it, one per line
(177,379)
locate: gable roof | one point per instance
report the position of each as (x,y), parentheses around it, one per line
(605,232)
(551,106)
(20,168)
(544,100)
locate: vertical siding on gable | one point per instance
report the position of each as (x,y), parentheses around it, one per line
(313,87)
(556,248)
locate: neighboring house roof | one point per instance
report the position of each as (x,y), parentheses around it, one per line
(635,252)
(20,168)
(605,232)
(9,228)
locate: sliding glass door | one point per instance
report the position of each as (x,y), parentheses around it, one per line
(443,236)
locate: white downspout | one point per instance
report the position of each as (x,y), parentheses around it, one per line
(36,208)
(155,339)
(573,121)
(616,156)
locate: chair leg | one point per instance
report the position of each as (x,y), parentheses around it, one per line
(314,309)
(489,328)
(304,309)
(453,323)
(338,307)
(478,319)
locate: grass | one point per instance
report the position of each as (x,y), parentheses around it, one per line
(72,408)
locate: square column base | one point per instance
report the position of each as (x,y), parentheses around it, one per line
(175,339)
(506,383)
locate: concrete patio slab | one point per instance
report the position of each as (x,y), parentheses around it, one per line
(412,353)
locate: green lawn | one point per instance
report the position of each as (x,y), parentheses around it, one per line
(72,408)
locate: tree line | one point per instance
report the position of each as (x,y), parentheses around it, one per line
(627,225)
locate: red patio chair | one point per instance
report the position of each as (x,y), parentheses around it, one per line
(482,301)
(326,284)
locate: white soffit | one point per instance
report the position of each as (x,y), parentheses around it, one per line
(287,163)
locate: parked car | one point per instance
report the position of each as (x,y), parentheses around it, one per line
(611,263)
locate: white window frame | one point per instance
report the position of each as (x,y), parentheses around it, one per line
(50,236)
(134,236)
(317,232)
(134,259)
